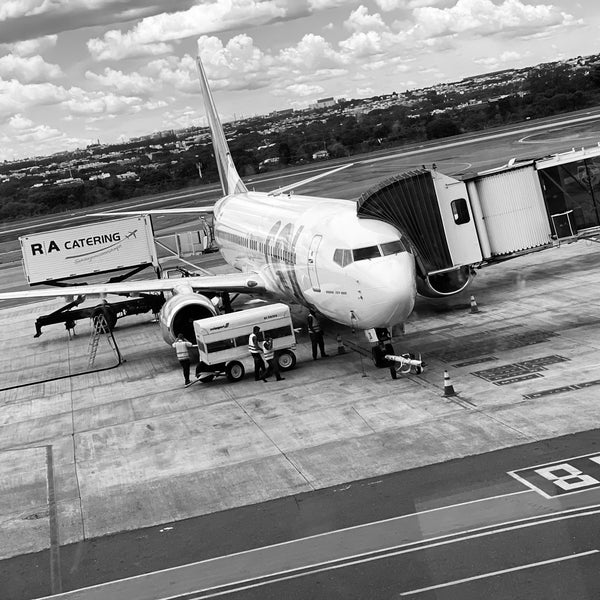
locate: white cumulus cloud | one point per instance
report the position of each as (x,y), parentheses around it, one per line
(18,121)
(361,20)
(239,64)
(30,47)
(15,97)
(124,83)
(84,103)
(483,17)
(150,34)
(304,89)
(28,69)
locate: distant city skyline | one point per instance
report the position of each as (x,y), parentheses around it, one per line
(73,71)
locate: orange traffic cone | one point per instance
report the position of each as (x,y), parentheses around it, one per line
(448,387)
(340,345)
(474,307)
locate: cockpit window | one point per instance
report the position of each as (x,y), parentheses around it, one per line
(366,253)
(342,257)
(393,247)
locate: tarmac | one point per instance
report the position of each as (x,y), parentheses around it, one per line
(131,447)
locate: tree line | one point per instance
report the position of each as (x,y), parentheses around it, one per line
(546,90)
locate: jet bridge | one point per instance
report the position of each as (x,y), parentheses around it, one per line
(432,211)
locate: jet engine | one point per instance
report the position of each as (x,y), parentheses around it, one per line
(180,311)
(446,283)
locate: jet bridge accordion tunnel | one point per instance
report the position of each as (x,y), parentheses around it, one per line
(431,210)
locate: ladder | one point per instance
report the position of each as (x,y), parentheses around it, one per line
(99,326)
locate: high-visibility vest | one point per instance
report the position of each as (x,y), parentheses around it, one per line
(313,324)
(268,352)
(253,344)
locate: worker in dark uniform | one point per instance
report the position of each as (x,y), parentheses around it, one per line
(270,357)
(256,353)
(315,331)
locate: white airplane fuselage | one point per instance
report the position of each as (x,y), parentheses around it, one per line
(291,240)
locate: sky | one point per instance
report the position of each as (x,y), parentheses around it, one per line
(74,72)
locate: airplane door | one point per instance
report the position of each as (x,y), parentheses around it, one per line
(312,263)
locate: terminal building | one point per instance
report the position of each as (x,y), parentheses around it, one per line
(455,225)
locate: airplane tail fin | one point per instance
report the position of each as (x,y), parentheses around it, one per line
(231,182)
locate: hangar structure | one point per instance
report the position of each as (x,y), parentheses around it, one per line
(455,225)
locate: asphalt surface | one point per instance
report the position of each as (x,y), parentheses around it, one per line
(520,557)
(471,518)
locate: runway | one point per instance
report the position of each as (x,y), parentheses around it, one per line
(372,488)
(464,529)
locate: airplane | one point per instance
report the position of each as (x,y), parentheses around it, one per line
(308,250)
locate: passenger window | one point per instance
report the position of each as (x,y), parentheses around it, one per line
(392,248)
(460,211)
(366,253)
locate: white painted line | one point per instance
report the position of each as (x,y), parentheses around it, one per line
(355,560)
(531,486)
(310,537)
(554,462)
(502,572)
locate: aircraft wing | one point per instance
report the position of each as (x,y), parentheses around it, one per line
(250,283)
(207,210)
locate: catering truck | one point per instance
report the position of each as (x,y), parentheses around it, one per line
(223,340)
(74,252)
(75,255)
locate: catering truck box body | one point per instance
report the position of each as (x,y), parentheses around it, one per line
(223,340)
(88,249)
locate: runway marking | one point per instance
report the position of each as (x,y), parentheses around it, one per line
(502,572)
(560,477)
(338,563)
(280,544)
(358,559)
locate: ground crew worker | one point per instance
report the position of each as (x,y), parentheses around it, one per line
(256,353)
(316,335)
(271,358)
(181,346)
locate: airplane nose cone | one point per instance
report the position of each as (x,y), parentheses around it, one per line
(389,288)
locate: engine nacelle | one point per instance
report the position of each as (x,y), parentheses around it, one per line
(446,283)
(179,313)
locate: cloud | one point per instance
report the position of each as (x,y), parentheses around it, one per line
(124,83)
(115,46)
(174,72)
(27,19)
(312,52)
(237,65)
(84,103)
(27,139)
(15,97)
(153,32)
(316,5)
(483,17)
(28,69)
(389,5)
(30,47)
(304,90)
(494,62)
(361,20)
(18,121)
